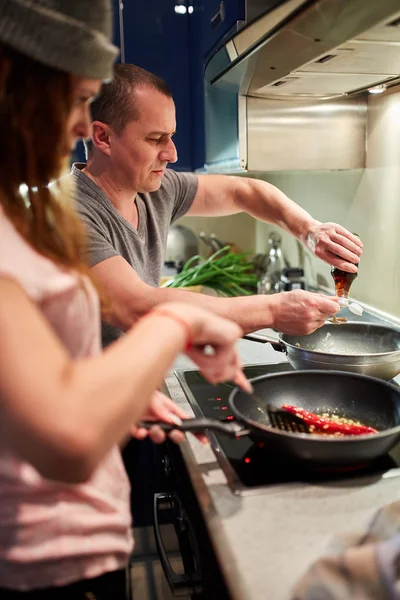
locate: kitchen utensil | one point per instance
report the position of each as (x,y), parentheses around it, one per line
(371,401)
(182,244)
(278,418)
(210,242)
(292,279)
(276,262)
(358,347)
(285,421)
(217,242)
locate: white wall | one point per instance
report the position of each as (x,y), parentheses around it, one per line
(365,201)
(240,229)
(327,195)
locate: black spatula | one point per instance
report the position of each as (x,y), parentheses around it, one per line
(286,421)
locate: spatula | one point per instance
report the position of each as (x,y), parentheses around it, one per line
(279,418)
(286,421)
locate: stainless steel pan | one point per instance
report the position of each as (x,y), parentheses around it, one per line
(365,348)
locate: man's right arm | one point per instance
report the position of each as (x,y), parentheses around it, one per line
(296,312)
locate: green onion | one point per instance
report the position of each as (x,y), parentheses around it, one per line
(228,273)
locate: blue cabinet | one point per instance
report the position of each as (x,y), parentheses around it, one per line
(157,39)
(171,39)
(220,18)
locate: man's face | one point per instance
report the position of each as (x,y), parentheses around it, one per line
(139,156)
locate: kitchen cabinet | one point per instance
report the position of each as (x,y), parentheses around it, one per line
(156,38)
(220,18)
(210,22)
(173,45)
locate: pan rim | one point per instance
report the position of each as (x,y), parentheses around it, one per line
(352,439)
(394,353)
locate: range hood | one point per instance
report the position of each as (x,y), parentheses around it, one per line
(318,48)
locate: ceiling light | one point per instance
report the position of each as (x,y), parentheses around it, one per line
(180,9)
(378,89)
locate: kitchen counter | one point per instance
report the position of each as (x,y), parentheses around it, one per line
(265,542)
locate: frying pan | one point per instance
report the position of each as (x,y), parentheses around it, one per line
(365,348)
(371,401)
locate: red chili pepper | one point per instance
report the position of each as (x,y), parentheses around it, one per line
(325,425)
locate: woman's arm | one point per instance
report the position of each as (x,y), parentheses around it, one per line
(64,415)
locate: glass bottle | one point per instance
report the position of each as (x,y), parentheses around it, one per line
(343,281)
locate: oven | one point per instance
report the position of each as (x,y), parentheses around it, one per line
(196,573)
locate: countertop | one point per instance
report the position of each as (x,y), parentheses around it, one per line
(265,542)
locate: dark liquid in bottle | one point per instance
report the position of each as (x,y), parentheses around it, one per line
(343,281)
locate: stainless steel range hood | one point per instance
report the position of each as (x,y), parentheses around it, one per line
(318,48)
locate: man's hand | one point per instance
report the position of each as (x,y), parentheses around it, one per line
(299,312)
(335,245)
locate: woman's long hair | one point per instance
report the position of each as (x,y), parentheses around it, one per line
(35,102)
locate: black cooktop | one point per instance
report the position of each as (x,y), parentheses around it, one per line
(248,464)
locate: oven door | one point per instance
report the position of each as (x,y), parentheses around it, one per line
(199,575)
(168,509)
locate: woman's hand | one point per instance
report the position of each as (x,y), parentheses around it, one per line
(212,342)
(161,408)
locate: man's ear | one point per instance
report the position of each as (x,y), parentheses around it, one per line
(101,136)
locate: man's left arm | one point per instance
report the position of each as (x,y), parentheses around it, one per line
(220,195)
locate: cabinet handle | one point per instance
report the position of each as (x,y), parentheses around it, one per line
(219,16)
(191,581)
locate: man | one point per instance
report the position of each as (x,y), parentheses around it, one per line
(128,199)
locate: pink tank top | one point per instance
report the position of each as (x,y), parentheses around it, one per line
(53,533)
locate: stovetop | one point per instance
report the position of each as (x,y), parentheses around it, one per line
(251,467)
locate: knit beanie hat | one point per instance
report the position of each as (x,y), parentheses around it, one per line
(70,35)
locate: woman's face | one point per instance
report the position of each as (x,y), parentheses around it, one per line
(78,124)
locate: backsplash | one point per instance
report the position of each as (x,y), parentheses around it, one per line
(366,201)
(240,229)
(327,196)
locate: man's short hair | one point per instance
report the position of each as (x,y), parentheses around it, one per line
(115,104)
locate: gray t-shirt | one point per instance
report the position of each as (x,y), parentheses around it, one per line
(111,235)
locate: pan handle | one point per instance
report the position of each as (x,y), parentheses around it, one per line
(264,339)
(233,429)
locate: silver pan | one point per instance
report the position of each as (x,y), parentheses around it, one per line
(364,348)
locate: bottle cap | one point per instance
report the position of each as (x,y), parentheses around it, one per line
(356,309)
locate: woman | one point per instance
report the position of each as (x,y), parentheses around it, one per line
(64,495)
